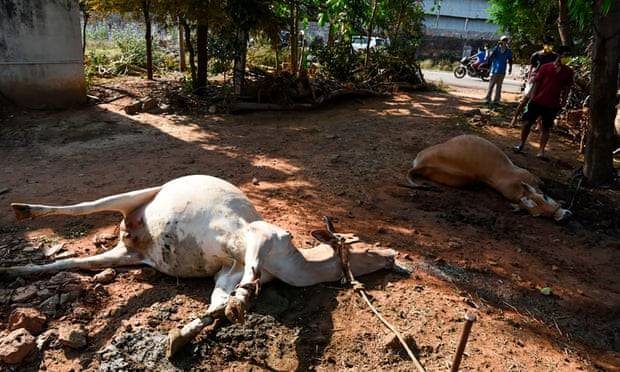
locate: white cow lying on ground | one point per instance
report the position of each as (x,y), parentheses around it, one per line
(468,159)
(198,226)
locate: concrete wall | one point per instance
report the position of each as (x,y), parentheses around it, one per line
(455,28)
(40,53)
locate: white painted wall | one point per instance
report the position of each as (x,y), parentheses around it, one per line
(40,53)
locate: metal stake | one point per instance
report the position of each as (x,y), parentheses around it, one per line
(470,318)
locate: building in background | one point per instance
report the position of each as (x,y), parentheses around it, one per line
(453,28)
(41,54)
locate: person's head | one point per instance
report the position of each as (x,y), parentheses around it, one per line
(503,40)
(548,44)
(564,55)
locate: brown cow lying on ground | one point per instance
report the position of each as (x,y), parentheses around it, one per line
(469,159)
(199,226)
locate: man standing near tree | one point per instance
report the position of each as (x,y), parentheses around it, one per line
(539,58)
(500,57)
(549,91)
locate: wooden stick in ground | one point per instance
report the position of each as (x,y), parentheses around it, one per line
(343,252)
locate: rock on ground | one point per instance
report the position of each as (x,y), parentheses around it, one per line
(105,277)
(72,336)
(29,318)
(135,351)
(16,346)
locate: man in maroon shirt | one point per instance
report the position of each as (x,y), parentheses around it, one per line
(550,89)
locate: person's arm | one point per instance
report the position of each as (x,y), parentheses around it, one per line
(533,65)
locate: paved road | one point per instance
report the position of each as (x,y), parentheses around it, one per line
(510,85)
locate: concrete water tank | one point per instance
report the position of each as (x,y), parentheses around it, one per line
(41,54)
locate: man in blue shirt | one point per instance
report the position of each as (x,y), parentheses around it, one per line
(480,57)
(500,57)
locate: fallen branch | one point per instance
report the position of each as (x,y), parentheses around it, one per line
(343,252)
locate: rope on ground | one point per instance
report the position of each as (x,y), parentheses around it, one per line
(343,252)
(580,176)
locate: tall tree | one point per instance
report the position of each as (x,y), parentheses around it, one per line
(148,37)
(371,21)
(182,66)
(598,167)
(85,8)
(564,23)
(202,33)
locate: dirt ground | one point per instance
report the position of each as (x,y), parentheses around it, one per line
(470,252)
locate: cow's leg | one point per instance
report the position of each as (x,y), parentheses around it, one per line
(123,203)
(117,256)
(260,239)
(225,282)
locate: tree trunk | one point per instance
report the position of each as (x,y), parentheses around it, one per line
(564,24)
(148,38)
(240,59)
(330,35)
(86,16)
(182,66)
(190,48)
(294,35)
(598,167)
(399,19)
(369,33)
(202,32)
(275,44)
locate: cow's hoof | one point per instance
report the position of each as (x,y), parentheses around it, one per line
(235,310)
(175,342)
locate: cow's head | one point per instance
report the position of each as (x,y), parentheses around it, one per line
(539,204)
(368,257)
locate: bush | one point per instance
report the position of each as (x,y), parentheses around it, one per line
(262,55)
(339,61)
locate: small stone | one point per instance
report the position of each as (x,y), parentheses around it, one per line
(52,250)
(133,108)
(520,343)
(105,277)
(554,268)
(82,313)
(16,346)
(50,305)
(45,338)
(149,104)
(28,318)
(24,294)
(212,109)
(72,336)
(255,181)
(44,293)
(69,296)
(391,343)
(64,277)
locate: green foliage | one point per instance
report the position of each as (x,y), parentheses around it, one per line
(581,11)
(339,61)
(262,54)
(526,21)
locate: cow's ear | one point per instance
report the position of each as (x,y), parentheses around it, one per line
(322,235)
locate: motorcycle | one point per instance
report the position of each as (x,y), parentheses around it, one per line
(466,67)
